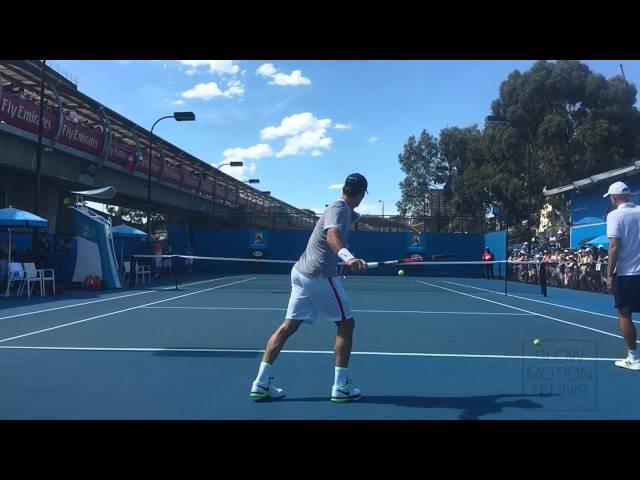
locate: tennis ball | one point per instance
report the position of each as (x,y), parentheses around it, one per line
(537,342)
(401,273)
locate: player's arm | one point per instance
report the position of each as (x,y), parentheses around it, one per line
(615,244)
(614,254)
(334,239)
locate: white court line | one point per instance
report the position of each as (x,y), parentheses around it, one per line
(537,301)
(523,310)
(124,310)
(320,352)
(357,311)
(103,300)
(173,287)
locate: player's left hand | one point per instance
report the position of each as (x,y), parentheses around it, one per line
(611,285)
(357,265)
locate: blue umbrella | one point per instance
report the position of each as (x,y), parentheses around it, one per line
(601,240)
(12,217)
(125,231)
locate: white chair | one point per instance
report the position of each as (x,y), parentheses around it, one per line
(32,277)
(48,275)
(143,271)
(15,274)
(126,271)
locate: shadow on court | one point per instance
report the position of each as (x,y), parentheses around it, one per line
(472,408)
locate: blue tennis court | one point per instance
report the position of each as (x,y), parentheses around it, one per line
(424,348)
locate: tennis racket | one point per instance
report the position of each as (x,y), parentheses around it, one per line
(395,262)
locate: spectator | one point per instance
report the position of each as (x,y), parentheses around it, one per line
(488,256)
(167,262)
(157,251)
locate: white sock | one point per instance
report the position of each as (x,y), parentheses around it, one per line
(264,373)
(341,377)
(634,355)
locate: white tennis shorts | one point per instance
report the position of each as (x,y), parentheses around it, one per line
(317,298)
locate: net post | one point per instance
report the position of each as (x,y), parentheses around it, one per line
(506,265)
(175,273)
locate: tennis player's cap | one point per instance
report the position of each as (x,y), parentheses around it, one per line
(617,188)
(356,184)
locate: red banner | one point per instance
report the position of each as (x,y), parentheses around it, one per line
(121,153)
(25,115)
(191,181)
(207,186)
(81,138)
(172,174)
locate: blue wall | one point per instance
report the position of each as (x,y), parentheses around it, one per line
(586,233)
(289,245)
(588,205)
(497,242)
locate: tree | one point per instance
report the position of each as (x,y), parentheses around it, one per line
(420,162)
(567,121)
(465,170)
(136,217)
(563,120)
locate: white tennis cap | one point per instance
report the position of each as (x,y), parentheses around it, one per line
(618,188)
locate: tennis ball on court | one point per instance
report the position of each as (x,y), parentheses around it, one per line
(401,273)
(537,342)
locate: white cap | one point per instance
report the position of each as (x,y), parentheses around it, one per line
(600,246)
(618,188)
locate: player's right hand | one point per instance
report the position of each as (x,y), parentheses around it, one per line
(357,265)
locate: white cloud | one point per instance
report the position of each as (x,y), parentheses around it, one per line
(336,186)
(294,79)
(235,87)
(306,134)
(207,91)
(342,126)
(294,125)
(373,139)
(239,154)
(178,102)
(215,66)
(266,70)
(252,153)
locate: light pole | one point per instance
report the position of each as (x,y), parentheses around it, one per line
(215,180)
(382,202)
(178,117)
(36,206)
(502,120)
(252,180)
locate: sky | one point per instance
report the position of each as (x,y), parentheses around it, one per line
(301,127)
